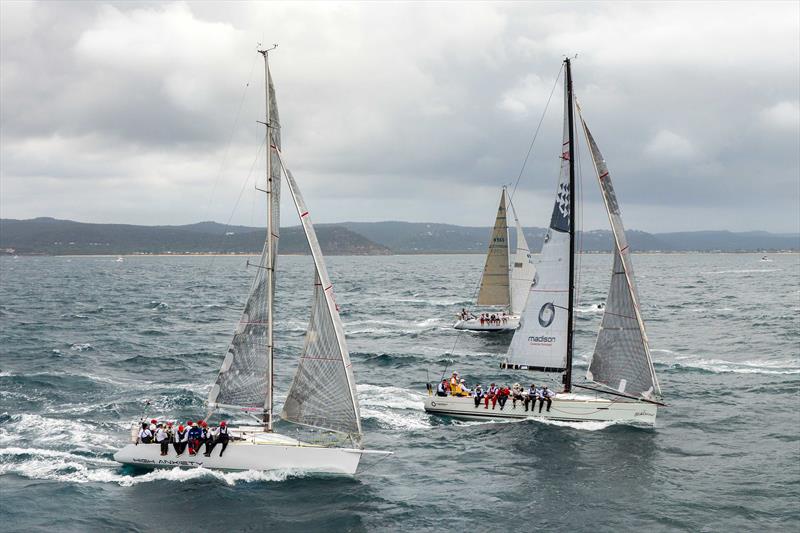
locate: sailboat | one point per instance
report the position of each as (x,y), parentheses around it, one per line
(323,393)
(621,384)
(506,279)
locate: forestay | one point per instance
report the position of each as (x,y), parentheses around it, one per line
(540,342)
(323,392)
(494,283)
(244,379)
(621,358)
(521,269)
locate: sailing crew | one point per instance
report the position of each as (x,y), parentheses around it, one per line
(516,395)
(195,433)
(478,394)
(180,440)
(454,383)
(222,437)
(531,396)
(162,439)
(153,423)
(145,435)
(462,385)
(211,438)
(502,396)
(491,394)
(546,396)
(442,388)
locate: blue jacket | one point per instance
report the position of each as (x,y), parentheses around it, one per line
(195,432)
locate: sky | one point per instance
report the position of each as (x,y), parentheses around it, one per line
(145,112)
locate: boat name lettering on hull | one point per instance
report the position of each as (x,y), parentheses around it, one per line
(167,462)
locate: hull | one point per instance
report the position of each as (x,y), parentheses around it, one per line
(474,324)
(255,452)
(565,407)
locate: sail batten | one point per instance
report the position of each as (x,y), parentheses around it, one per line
(621,359)
(495,289)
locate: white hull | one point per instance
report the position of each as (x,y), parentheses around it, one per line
(257,451)
(565,407)
(474,324)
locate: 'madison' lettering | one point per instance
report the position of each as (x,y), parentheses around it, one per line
(541,339)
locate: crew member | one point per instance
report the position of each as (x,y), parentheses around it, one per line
(491,394)
(502,396)
(161,439)
(145,435)
(180,440)
(478,394)
(546,396)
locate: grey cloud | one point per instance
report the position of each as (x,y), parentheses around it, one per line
(398,110)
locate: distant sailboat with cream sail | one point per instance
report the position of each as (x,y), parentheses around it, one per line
(621,375)
(506,279)
(323,393)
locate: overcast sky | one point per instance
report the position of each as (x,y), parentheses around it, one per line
(145,112)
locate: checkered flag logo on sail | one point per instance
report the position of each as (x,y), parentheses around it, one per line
(562,199)
(560,217)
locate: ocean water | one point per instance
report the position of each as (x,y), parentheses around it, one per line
(85,340)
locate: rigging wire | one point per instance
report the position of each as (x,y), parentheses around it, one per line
(536,133)
(230,136)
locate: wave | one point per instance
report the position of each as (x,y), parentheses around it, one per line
(158,306)
(70,468)
(743,271)
(720,366)
(393,407)
(81,347)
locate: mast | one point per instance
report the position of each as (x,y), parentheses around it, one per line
(508,251)
(271,260)
(571,155)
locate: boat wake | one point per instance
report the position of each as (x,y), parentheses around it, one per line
(54,465)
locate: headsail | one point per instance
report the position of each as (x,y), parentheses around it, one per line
(521,270)
(621,358)
(323,392)
(245,378)
(540,342)
(494,283)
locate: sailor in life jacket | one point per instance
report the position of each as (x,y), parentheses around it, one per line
(180,439)
(211,440)
(162,439)
(145,435)
(220,436)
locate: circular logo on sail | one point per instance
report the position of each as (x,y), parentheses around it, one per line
(546,314)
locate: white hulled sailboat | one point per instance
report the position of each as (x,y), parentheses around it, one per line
(506,279)
(323,393)
(621,372)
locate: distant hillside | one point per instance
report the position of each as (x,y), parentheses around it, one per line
(61,237)
(420,237)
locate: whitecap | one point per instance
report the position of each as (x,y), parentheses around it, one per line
(81,347)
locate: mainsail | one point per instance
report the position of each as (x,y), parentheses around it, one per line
(541,342)
(245,378)
(323,392)
(621,358)
(494,283)
(521,270)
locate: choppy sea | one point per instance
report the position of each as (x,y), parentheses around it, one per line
(85,340)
